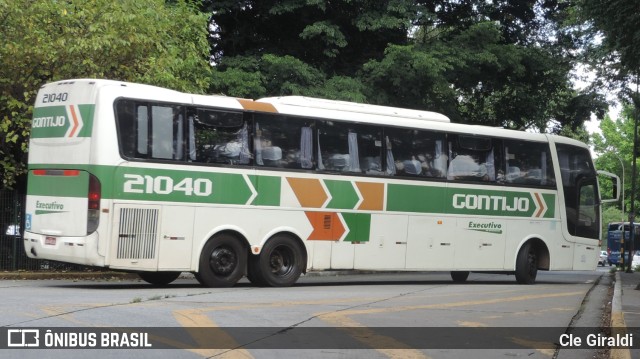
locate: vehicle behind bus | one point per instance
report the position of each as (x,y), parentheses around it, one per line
(614,240)
(614,236)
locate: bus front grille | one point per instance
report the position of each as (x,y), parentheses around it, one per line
(137,233)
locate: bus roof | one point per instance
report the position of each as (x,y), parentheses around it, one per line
(393,116)
(342,110)
(318,103)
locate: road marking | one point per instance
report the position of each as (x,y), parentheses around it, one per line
(341,318)
(370,338)
(533,344)
(191,319)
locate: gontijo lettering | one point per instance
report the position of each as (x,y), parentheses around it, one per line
(495,203)
(49,121)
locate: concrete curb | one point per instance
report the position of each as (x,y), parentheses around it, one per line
(618,325)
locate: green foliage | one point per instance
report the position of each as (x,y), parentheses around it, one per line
(619,22)
(610,32)
(614,149)
(409,77)
(498,63)
(146,41)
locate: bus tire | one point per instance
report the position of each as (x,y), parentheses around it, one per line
(159,278)
(527,264)
(222,262)
(459,276)
(279,264)
(253,271)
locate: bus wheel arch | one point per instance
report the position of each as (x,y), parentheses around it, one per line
(159,279)
(223,259)
(532,256)
(281,261)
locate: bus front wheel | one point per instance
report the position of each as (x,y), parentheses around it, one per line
(222,262)
(527,264)
(279,264)
(159,278)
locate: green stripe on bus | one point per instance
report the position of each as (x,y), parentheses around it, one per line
(414,198)
(150,184)
(359,225)
(469,201)
(268,188)
(343,195)
(61,121)
(59,186)
(86,111)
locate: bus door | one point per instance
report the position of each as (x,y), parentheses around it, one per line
(581,204)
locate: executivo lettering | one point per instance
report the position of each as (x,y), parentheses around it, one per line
(490,227)
(49,207)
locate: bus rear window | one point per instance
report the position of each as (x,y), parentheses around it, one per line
(150,130)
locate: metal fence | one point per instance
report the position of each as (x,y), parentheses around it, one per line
(12,255)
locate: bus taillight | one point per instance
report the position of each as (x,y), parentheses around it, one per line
(93,217)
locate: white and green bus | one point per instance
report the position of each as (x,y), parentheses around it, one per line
(149,180)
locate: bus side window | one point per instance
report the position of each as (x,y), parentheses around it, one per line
(127,121)
(148,131)
(415,153)
(166,133)
(349,147)
(473,158)
(283,142)
(220,137)
(528,163)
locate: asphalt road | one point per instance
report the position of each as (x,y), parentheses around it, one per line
(352,307)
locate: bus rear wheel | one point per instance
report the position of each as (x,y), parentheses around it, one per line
(222,262)
(159,278)
(279,264)
(527,264)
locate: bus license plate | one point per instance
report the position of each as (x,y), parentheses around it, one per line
(51,241)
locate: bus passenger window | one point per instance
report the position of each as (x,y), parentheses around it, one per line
(473,158)
(349,147)
(147,131)
(415,153)
(220,137)
(528,163)
(283,142)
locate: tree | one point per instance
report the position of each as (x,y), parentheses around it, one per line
(617,24)
(147,41)
(614,148)
(480,62)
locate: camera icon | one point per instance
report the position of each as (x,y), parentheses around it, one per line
(23,338)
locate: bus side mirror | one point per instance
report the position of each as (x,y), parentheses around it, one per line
(615,184)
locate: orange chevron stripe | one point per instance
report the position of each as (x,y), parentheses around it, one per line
(372,196)
(256,106)
(309,192)
(76,123)
(327,226)
(540,204)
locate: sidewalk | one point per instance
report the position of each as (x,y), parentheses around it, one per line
(625,312)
